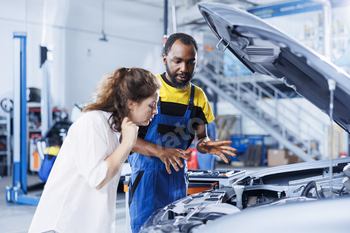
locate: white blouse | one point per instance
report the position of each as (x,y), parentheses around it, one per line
(70,203)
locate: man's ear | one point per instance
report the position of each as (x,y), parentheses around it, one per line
(164,59)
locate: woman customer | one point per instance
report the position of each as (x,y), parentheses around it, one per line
(80,193)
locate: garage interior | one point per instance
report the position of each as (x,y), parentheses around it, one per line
(67,46)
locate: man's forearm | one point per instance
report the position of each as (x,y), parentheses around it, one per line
(147,148)
(199,149)
(170,157)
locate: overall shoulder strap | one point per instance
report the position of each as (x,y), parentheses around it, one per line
(190,103)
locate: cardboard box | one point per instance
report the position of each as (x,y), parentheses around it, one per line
(276,157)
(281,157)
(292,158)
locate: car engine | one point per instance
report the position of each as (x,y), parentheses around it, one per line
(282,185)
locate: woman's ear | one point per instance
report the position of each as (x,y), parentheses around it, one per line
(131,104)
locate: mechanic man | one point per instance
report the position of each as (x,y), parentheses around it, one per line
(183,111)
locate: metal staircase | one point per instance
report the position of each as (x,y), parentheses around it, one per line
(255,96)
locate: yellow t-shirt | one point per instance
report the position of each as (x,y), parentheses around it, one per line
(174,102)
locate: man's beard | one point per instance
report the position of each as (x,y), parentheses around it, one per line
(180,85)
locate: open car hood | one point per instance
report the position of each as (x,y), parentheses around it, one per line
(266,50)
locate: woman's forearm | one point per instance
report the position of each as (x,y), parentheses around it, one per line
(115,161)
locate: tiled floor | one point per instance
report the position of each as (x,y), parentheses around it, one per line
(16,218)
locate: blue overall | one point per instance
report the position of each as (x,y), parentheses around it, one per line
(151,185)
(206,161)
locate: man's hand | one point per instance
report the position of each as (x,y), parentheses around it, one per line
(167,156)
(217,148)
(172,157)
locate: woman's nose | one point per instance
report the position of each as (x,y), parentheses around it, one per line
(155,110)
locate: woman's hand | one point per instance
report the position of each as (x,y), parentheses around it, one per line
(129,132)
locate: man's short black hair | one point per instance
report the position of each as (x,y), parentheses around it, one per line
(185,39)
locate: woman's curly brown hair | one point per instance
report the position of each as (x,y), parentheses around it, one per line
(117,88)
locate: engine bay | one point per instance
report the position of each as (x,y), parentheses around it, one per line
(292,183)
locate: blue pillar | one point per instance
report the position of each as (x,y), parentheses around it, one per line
(18,190)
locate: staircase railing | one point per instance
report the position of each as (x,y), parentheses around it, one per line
(273,107)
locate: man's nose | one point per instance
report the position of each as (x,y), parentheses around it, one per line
(183,67)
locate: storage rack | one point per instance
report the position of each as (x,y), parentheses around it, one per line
(5,154)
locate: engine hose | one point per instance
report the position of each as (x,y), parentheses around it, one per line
(341,191)
(316,186)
